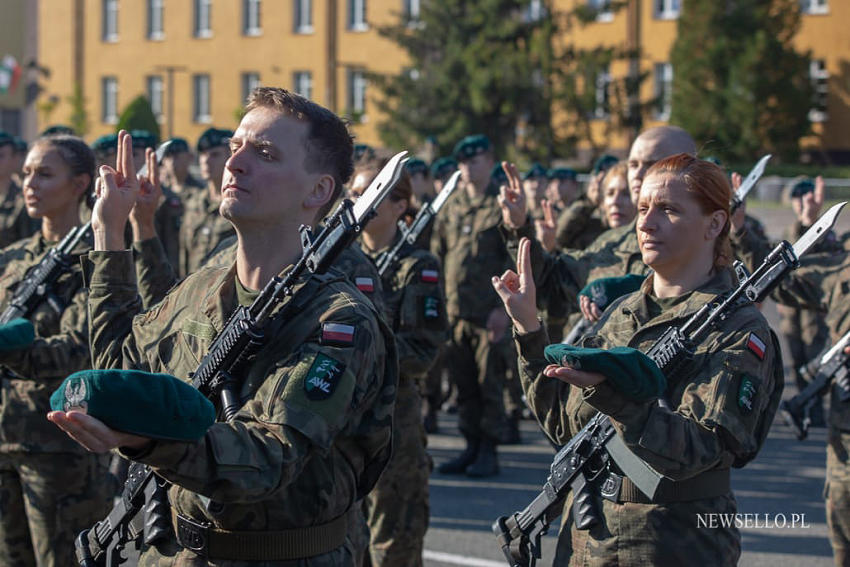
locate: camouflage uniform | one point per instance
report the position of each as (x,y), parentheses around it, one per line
(201,232)
(15,223)
(397,508)
(467,241)
(313,433)
(50,487)
(169,216)
(723,409)
(579,225)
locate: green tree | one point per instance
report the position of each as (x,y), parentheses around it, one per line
(139,116)
(738,83)
(79,119)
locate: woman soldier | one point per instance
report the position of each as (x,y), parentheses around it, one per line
(714,415)
(397,508)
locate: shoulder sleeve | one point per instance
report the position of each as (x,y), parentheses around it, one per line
(422,321)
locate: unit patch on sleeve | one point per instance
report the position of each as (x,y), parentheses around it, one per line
(430,276)
(756,346)
(323,377)
(337,334)
(430,307)
(746,393)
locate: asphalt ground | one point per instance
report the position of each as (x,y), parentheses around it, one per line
(783,485)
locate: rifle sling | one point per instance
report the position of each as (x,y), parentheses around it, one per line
(709,484)
(283,545)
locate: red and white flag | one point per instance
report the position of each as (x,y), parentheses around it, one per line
(337,333)
(430,276)
(365,284)
(756,345)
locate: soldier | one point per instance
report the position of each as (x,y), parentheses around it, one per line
(175,167)
(50,488)
(142,140)
(274,485)
(441,169)
(202,228)
(534,185)
(466,239)
(104,149)
(15,224)
(397,508)
(562,188)
(420,182)
(717,413)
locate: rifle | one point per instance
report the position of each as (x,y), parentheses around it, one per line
(821,372)
(597,447)
(409,235)
(37,285)
(216,377)
(748,183)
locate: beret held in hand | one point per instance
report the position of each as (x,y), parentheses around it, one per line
(143,403)
(628,370)
(603,291)
(16,334)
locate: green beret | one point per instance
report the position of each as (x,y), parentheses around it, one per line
(604,163)
(177,145)
(143,139)
(498,175)
(363,151)
(603,291)
(470,147)
(562,173)
(536,170)
(416,165)
(443,167)
(628,370)
(20,145)
(213,138)
(6,139)
(802,187)
(16,334)
(57,130)
(105,143)
(143,403)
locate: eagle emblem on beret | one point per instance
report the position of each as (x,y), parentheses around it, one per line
(75,395)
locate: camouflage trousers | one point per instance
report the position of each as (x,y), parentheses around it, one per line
(46,499)
(837,494)
(397,508)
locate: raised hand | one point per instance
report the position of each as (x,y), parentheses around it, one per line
(150,194)
(517,291)
(116,191)
(512,198)
(589,309)
(813,203)
(547,228)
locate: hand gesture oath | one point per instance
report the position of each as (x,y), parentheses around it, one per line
(150,194)
(517,291)
(116,190)
(546,229)
(812,203)
(512,198)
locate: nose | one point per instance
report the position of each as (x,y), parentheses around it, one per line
(646,221)
(236,161)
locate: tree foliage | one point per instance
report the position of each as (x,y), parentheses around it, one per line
(738,83)
(79,119)
(139,116)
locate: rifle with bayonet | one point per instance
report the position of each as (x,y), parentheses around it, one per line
(409,235)
(597,448)
(112,541)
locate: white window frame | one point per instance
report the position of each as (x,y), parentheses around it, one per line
(251,18)
(250,81)
(602,94)
(819,75)
(109,28)
(413,11)
(302,82)
(603,16)
(814,7)
(202,19)
(156,20)
(357,88)
(664,91)
(534,12)
(109,100)
(357,16)
(667,9)
(156,95)
(303,16)
(201,105)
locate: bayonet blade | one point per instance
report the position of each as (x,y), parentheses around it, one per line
(443,196)
(160,153)
(380,187)
(818,230)
(749,182)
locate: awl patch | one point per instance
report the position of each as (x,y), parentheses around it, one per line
(365,284)
(746,393)
(323,377)
(337,334)
(756,346)
(430,276)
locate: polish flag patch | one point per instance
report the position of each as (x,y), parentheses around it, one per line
(365,284)
(756,345)
(337,334)
(430,276)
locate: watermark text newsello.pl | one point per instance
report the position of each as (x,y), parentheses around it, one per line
(752,521)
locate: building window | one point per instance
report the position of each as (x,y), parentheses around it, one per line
(357,15)
(303,16)
(814,6)
(667,9)
(534,12)
(663,90)
(356,94)
(109,98)
(303,83)
(201,106)
(155,90)
(602,88)
(110,20)
(602,9)
(820,83)
(251,17)
(412,10)
(155,19)
(250,81)
(203,18)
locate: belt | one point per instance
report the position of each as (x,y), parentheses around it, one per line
(709,484)
(215,543)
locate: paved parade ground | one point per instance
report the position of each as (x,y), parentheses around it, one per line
(783,484)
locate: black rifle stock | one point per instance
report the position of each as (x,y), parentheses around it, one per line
(596,445)
(217,376)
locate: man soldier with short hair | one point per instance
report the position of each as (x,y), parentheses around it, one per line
(175,168)
(312,434)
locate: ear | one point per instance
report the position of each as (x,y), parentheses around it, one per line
(81,183)
(716,222)
(321,192)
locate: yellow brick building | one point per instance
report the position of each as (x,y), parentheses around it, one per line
(196,59)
